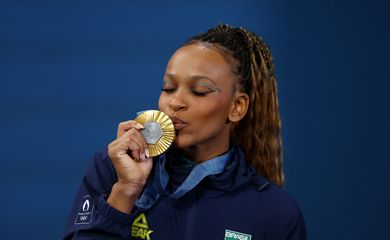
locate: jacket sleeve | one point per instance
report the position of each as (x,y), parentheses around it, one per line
(91,217)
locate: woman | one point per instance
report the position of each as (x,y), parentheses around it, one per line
(222,177)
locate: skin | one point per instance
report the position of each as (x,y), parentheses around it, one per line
(206,132)
(198,95)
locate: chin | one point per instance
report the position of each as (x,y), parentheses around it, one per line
(179,145)
(182,142)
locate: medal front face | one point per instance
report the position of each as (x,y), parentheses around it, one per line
(159,132)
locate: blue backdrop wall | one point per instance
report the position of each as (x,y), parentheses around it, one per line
(70,71)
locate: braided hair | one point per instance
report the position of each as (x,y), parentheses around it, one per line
(258,133)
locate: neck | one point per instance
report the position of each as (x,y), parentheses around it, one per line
(203,153)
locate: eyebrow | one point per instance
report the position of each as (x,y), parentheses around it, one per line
(194,77)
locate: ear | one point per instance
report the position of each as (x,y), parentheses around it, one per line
(239,106)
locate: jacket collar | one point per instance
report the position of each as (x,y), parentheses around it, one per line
(238,172)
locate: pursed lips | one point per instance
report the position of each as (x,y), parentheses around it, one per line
(178,123)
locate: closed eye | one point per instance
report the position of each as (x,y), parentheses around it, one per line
(194,92)
(168,90)
(199,89)
(204,89)
(197,93)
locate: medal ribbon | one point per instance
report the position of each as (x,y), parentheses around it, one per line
(158,184)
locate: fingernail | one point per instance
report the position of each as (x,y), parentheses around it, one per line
(140,126)
(142,156)
(147,153)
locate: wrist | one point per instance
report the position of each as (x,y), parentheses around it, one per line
(127,189)
(123,196)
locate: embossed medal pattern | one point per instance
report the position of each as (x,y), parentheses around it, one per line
(159,131)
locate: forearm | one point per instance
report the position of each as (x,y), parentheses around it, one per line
(104,221)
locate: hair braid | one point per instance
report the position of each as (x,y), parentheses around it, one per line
(258,133)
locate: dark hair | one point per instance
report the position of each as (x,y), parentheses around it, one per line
(258,133)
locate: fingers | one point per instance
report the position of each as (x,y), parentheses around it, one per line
(137,144)
(126,126)
(132,143)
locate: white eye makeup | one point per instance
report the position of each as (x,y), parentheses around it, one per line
(197,89)
(204,88)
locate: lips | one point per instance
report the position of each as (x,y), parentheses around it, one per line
(178,123)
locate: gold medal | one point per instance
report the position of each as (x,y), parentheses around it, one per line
(159,132)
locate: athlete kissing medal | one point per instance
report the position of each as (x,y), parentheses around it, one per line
(159,132)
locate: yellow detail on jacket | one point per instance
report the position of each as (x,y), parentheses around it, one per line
(140,229)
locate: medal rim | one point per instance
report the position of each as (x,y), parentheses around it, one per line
(167,128)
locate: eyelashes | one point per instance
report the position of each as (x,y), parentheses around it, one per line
(192,91)
(199,89)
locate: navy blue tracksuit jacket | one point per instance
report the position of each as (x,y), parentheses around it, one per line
(236,204)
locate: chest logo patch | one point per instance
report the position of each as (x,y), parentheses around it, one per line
(140,228)
(232,235)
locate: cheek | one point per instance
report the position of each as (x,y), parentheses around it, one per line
(162,103)
(217,109)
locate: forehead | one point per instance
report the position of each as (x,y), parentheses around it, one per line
(199,59)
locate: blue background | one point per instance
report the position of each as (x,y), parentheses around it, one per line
(70,71)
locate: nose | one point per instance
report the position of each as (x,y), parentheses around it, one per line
(177,102)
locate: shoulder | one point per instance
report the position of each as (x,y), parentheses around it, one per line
(100,174)
(277,200)
(281,212)
(101,159)
(266,196)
